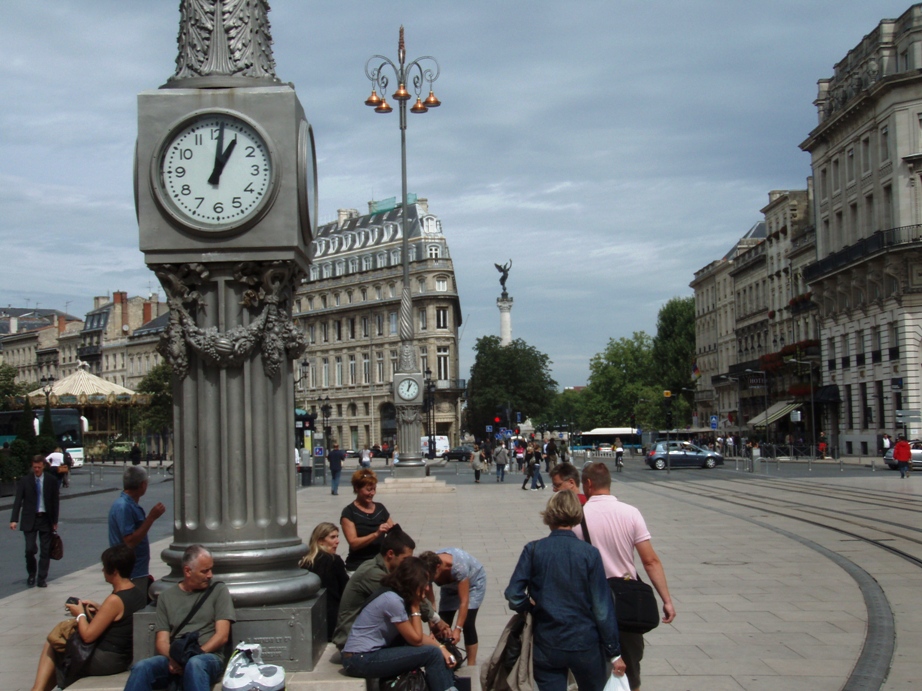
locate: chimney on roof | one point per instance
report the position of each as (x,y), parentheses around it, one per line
(121,299)
(423,205)
(62,324)
(343,215)
(14,324)
(148,312)
(99,301)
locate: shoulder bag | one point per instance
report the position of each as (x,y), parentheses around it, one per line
(185,647)
(77,652)
(636,608)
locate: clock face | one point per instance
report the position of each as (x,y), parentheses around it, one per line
(214,172)
(408,389)
(307,181)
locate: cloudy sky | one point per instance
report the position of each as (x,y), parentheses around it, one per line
(610,149)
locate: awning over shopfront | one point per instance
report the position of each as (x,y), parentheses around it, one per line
(775,412)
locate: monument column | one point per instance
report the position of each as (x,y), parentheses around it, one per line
(504,303)
(226,195)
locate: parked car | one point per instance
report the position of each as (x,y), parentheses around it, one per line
(459,453)
(682,454)
(916,446)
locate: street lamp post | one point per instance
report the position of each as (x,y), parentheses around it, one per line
(323,404)
(47,385)
(739,408)
(764,396)
(812,404)
(430,412)
(408,378)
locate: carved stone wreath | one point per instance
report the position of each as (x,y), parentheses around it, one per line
(271,329)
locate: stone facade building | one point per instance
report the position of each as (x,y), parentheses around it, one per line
(867,280)
(348,308)
(53,344)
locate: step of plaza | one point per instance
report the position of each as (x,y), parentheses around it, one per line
(756,610)
(414,485)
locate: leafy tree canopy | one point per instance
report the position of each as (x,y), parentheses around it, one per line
(8,386)
(158,384)
(516,376)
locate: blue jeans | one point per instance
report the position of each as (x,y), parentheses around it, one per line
(202,672)
(590,669)
(536,478)
(500,472)
(389,662)
(334,481)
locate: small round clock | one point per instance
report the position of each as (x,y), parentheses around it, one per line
(215,172)
(408,389)
(307,181)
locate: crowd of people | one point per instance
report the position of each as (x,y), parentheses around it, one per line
(381,594)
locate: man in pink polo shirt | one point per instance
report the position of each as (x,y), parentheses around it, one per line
(617,529)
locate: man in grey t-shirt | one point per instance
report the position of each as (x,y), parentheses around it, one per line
(212,621)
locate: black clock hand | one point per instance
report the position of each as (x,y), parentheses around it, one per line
(220,162)
(216,171)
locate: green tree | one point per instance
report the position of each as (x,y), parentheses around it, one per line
(24,446)
(8,386)
(674,346)
(565,411)
(516,376)
(46,440)
(620,378)
(158,384)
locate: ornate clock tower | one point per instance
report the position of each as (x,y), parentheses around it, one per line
(226,194)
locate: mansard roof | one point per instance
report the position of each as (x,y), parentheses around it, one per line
(371,231)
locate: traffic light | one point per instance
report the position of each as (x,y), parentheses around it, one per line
(496,420)
(516,430)
(669,418)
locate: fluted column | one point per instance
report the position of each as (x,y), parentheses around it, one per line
(505,318)
(231,342)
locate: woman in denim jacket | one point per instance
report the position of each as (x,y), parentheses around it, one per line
(560,580)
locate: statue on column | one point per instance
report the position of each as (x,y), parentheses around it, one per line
(504,270)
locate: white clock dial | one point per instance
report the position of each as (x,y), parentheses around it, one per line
(215,172)
(407,389)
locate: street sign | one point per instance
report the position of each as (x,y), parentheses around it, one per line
(489,429)
(318,451)
(795,416)
(518,417)
(508,433)
(714,422)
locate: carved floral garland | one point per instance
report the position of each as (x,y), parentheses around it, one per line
(276,334)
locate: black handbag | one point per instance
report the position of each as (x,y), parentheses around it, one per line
(636,608)
(635,605)
(414,680)
(185,647)
(76,654)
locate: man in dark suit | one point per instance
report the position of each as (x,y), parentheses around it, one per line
(37,498)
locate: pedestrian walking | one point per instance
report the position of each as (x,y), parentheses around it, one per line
(335,458)
(35,512)
(476,462)
(500,458)
(902,454)
(130,525)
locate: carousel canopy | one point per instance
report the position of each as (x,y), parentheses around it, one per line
(84,388)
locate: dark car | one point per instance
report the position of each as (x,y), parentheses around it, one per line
(459,453)
(682,454)
(916,446)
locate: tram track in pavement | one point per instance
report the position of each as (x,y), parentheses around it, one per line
(876,658)
(857,520)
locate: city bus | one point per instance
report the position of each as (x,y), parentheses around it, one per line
(606,436)
(67,423)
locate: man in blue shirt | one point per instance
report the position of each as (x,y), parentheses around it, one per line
(129,524)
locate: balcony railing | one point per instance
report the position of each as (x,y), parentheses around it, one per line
(864,249)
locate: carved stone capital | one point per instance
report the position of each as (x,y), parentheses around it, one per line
(224,43)
(265,291)
(409,414)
